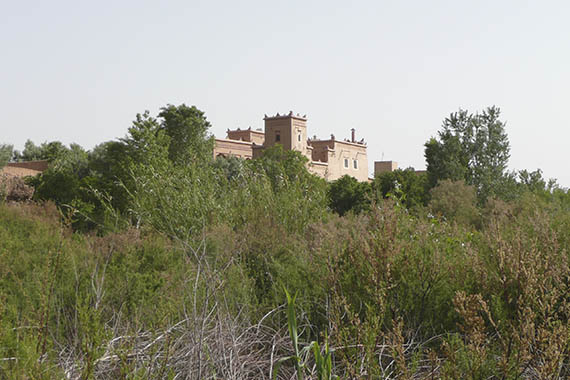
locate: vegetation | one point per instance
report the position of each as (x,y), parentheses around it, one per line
(147,258)
(5,154)
(471,147)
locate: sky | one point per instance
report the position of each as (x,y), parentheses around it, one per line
(78,71)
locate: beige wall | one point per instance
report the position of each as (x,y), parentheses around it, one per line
(319,168)
(326,157)
(256,137)
(292,131)
(320,149)
(257,151)
(335,152)
(233,148)
(299,136)
(351,152)
(278,126)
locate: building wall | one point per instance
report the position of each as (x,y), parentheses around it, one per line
(40,165)
(233,148)
(384,166)
(352,152)
(258,151)
(256,137)
(319,168)
(321,149)
(335,152)
(299,136)
(278,130)
(326,157)
(12,171)
(24,169)
(291,129)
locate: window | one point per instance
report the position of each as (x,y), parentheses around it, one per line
(355,164)
(346,163)
(277,137)
(299,137)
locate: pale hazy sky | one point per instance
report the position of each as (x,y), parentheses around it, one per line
(79,71)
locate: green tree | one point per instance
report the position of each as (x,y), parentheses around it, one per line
(61,182)
(535,182)
(232,167)
(5,154)
(470,147)
(56,150)
(51,151)
(347,194)
(31,152)
(107,170)
(296,196)
(282,167)
(187,128)
(146,142)
(411,186)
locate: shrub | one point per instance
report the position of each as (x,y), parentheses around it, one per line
(455,201)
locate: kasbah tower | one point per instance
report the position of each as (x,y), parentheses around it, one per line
(330,158)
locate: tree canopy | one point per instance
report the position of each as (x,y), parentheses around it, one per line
(46,151)
(347,194)
(5,154)
(189,134)
(407,184)
(470,147)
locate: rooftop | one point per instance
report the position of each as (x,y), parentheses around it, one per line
(286,116)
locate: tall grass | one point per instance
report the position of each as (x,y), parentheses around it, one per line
(390,295)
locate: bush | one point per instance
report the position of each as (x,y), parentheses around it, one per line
(347,194)
(455,201)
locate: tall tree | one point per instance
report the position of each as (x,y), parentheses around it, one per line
(61,182)
(51,151)
(471,147)
(31,152)
(5,154)
(146,141)
(187,128)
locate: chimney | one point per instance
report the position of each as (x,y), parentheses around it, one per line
(353,135)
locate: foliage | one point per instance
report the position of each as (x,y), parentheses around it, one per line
(470,147)
(32,152)
(323,360)
(347,194)
(455,201)
(184,276)
(46,151)
(5,154)
(409,185)
(395,291)
(146,142)
(295,197)
(61,182)
(187,128)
